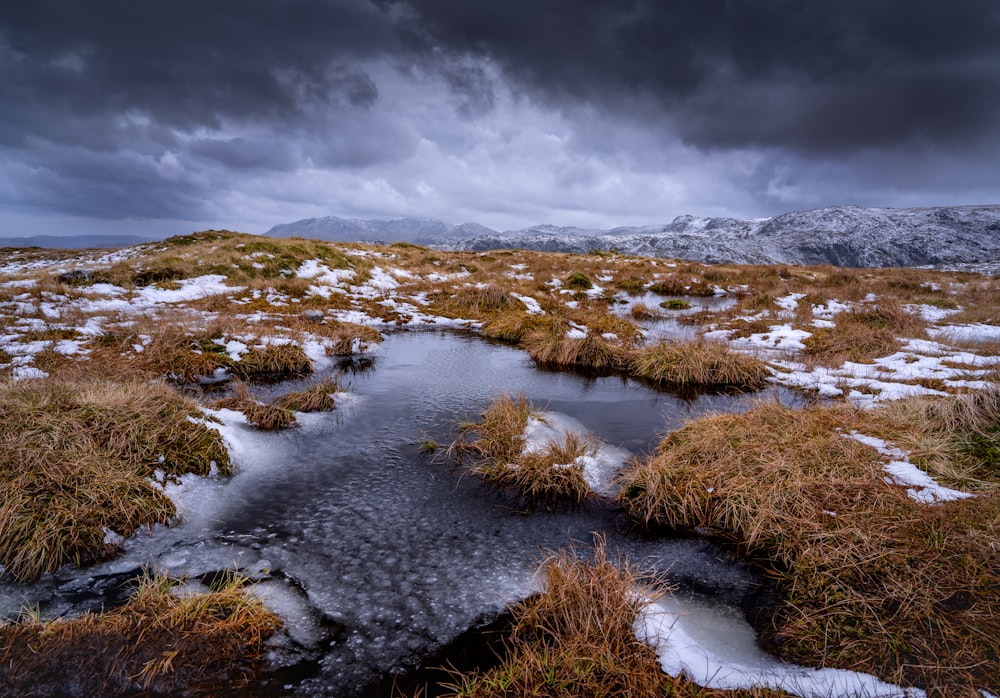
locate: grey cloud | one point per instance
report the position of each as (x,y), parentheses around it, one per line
(906,64)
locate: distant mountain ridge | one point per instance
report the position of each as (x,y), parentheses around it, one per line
(846,236)
(77,242)
(415,230)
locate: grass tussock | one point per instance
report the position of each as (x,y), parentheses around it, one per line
(481,301)
(514,325)
(865,333)
(158,643)
(677,286)
(259,415)
(318,398)
(272,362)
(494,448)
(592,352)
(547,477)
(75,458)
(577,638)
(698,365)
(641,311)
(870,579)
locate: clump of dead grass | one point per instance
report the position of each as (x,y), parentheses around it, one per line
(514,325)
(272,362)
(641,311)
(318,398)
(75,462)
(698,364)
(158,642)
(676,286)
(577,638)
(870,579)
(865,333)
(262,416)
(480,301)
(494,449)
(592,352)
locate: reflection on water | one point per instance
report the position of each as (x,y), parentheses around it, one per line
(377,554)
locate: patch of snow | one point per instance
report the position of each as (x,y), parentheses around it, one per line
(531,304)
(978,332)
(715,647)
(920,486)
(790,302)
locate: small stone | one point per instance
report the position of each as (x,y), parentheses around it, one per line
(77,276)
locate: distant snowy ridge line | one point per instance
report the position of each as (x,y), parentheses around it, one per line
(847,236)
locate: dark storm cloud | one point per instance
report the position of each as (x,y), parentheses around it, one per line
(816,75)
(187,62)
(164,109)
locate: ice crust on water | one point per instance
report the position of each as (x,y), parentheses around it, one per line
(713,646)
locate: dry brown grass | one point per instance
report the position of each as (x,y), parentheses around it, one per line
(318,398)
(592,352)
(494,449)
(870,579)
(75,458)
(259,415)
(514,325)
(865,333)
(157,643)
(577,638)
(272,362)
(698,365)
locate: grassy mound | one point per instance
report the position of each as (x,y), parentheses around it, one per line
(865,333)
(577,638)
(592,352)
(318,398)
(495,449)
(871,580)
(75,458)
(698,364)
(157,643)
(259,415)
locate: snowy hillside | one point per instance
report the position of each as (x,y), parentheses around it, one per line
(847,236)
(415,230)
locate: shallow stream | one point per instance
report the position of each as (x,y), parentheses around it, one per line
(377,555)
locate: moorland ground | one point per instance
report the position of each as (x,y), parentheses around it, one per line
(873,509)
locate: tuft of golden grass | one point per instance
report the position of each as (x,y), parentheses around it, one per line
(698,364)
(870,579)
(590,352)
(676,286)
(259,415)
(514,325)
(318,398)
(480,301)
(577,638)
(75,458)
(865,333)
(547,477)
(641,311)
(272,362)
(158,643)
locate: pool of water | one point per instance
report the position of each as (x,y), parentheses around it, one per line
(377,554)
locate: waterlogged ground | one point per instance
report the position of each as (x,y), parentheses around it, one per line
(375,553)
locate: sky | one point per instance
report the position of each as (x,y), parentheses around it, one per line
(167,117)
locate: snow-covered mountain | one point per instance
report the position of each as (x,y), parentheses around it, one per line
(416,230)
(847,236)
